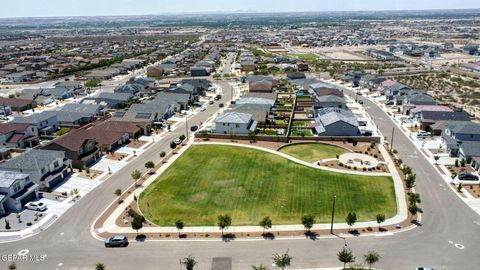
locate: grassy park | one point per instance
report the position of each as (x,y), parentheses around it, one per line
(313,152)
(209,180)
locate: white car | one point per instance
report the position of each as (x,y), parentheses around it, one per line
(202,109)
(423,134)
(36,206)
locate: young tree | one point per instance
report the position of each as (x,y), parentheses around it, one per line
(371,258)
(12,266)
(162,154)
(413,209)
(224,221)
(7,224)
(414,198)
(463,162)
(182,137)
(380,219)
(136,175)
(266,223)
(118,192)
(252,135)
(137,222)
(173,145)
(410,180)
(179,225)
(189,262)
(345,256)
(351,219)
(436,158)
(282,260)
(308,221)
(149,165)
(100,266)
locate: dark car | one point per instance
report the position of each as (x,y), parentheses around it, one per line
(467,177)
(116,241)
(221,105)
(218,97)
(211,102)
(194,128)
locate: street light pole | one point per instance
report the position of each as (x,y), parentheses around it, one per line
(391,140)
(333,213)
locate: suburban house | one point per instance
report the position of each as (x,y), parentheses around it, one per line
(458,136)
(235,123)
(415,98)
(17,135)
(264,85)
(259,112)
(78,147)
(199,71)
(335,122)
(180,102)
(46,122)
(329,101)
(45,168)
(429,118)
(109,100)
(296,76)
(16,190)
(155,71)
(396,89)
(18,104)
(74,115)
(133,129)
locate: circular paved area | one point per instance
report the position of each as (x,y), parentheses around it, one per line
(359,160)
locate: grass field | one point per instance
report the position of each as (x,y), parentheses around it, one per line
(209,180)
(313,152)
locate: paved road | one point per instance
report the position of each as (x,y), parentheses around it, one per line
(69,245)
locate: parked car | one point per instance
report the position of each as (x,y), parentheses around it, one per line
(36,206)
(423,134)
(389,103)
(202,109)
(116,241)
(177,141)
(218,97)
(194,128)
(424,268)
(467,177)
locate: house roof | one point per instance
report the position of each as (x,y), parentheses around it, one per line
(330,116)
(11,127)
(234,117)
(72,141)
(331,98)
(438,108)
(36,118)
(454,116)
(32,159)
(258,111)
(15,102)
(115,96)
(256,100)
(470,148)
(464,127)
(7,178)
(81,108)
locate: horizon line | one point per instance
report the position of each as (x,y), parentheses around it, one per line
(241,12)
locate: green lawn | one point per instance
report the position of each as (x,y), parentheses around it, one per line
(313,152)
(209,180)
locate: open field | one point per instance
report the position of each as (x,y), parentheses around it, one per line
(209,180)
(313,152)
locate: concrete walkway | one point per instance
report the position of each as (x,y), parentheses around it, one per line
(110,226)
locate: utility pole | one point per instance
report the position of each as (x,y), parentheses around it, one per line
(333,213)
(391,140)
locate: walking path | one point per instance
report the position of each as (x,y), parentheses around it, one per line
(110,226)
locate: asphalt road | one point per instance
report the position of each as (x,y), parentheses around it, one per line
(68,243)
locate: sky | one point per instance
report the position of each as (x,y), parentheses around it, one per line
(48,8)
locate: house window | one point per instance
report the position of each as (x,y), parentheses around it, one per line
(237,125)
(55,164)
(16,187)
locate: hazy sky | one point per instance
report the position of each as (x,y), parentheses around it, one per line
(40,8)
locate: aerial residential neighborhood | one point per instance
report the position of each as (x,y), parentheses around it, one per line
(223,136)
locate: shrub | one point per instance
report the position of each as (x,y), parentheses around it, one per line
(375,156)
(395,151)
(364,169)
(29,224)
(167,235)
(369,229)
(355,168)
(207,235)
